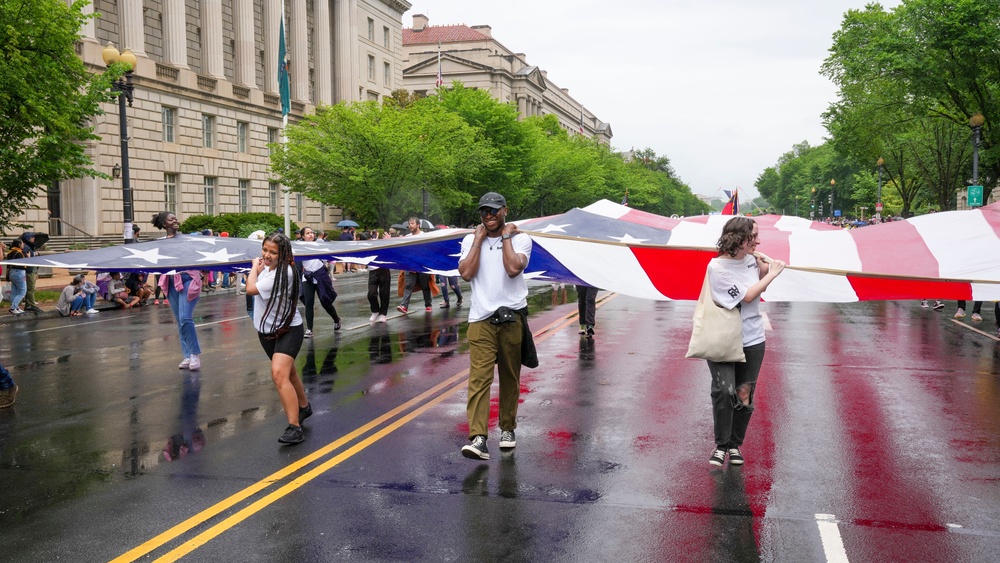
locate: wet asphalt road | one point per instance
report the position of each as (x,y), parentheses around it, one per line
(875,437)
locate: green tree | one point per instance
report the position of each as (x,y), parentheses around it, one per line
(374,160)
(47,97)
(909,81)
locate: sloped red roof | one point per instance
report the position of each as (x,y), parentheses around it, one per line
(441,33)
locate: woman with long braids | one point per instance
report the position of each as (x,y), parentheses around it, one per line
(316,280)
(274,285)
(183,289)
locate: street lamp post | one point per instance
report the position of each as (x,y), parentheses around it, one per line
(878,203)
(832,184)
(124,88)
(976,122)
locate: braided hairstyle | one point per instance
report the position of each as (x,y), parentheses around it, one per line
(285,293)
(160,219)
(737,231)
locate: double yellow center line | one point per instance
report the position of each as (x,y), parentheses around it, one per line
(386,424)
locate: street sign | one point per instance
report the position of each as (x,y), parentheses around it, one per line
(836,213)
(975,196)
(878,207)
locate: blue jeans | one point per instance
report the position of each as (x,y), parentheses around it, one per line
(85,301)
(18,287)
(6,382)
(183,311)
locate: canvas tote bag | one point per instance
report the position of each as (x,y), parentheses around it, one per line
(717,332)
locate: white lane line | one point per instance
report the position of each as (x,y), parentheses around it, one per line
(973,329)
(833,545)
(77,324)
(247,317)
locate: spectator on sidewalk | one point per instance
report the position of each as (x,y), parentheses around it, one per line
(118,292)
(17,276)
(71,299)
(31,274)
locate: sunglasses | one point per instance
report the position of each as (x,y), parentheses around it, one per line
(488,212)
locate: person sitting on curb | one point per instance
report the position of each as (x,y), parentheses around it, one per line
(90,291)
(135,284)
(118,293)
(71,299)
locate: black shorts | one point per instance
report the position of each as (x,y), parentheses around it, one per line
(288,343)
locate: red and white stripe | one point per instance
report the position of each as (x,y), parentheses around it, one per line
(950,255)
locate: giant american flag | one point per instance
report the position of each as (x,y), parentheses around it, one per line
(948,255)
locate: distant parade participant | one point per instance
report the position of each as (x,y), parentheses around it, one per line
(183,290)
(317,281)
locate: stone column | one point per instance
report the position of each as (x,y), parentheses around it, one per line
(299,36)
(174,34)
(130,28)
(272,18)
(522,106)
(321,49)
(345,77)
(211,38)
(246,62)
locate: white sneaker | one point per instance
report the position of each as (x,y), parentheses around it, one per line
(92,311)
(960,313)
(185,364)
(195,363)
(381,318)
(977,317)
(373,318)
(923,303)
(309,333)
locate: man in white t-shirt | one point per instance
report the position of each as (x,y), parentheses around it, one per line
(493,260)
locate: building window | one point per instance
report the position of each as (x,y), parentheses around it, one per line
(244,192)
(170,192)
(371,30)
(209,195)
(242,132)
(272,196)
(208,131)
(385,37)
(299,204)
(371,68)
(272,139)
(168,115)
(386,74)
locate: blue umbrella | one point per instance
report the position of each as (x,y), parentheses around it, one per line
(347,223)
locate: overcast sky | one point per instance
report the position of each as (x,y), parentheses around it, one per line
(721,87)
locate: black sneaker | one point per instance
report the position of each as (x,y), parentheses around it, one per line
(336,325)
(293,435)
(718,457)
(305,412)
(507,440)
(735,457)
(477,449)
(590,330)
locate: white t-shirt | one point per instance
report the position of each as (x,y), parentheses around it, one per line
(492,288)
(729,280)
(311,266)
(265,283)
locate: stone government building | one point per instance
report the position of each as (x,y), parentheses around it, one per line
(206,102)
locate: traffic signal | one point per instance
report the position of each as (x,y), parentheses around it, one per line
(830,199)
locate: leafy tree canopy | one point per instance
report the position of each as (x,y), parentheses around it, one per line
(47,97)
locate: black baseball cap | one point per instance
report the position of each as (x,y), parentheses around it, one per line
(492,200)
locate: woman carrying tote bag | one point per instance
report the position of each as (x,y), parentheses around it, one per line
(737,277)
